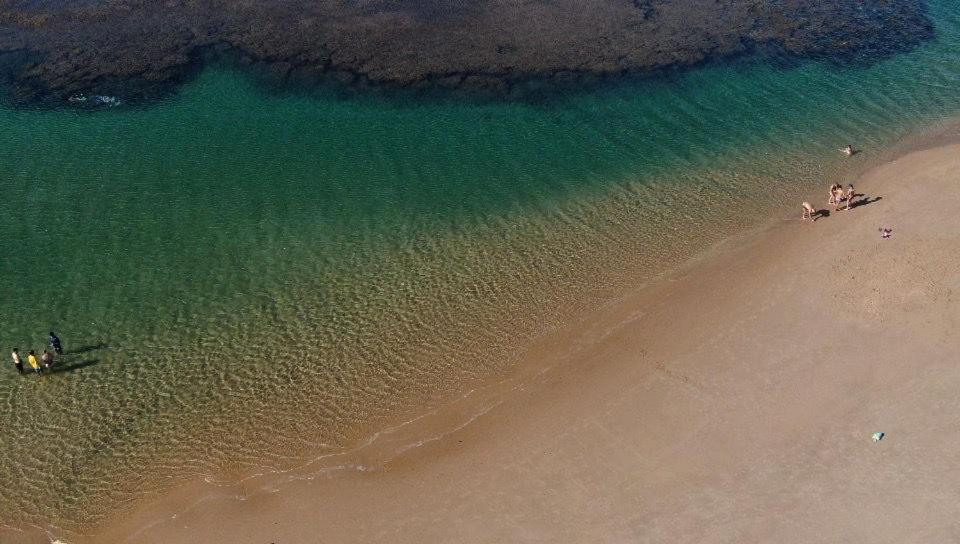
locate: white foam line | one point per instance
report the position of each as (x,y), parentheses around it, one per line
(456,429)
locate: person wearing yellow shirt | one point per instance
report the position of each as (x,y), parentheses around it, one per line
(32,359)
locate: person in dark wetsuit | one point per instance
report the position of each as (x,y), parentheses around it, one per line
(55,343)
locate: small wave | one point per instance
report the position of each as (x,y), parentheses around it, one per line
(95,100)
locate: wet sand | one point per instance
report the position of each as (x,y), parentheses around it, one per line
(732,401)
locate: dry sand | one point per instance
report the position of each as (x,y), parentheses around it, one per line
(733,401)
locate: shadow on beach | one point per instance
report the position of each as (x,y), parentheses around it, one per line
(823,212)
(864,201)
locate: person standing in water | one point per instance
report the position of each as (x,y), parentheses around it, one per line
(32,359)
(47,359)
(55,343)
(17,361)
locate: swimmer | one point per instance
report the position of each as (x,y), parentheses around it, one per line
(848,151)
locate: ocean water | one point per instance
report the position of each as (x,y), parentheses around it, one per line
(245,279)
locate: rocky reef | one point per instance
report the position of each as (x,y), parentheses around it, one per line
(51,50)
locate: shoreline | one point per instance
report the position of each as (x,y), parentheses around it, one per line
(626,333)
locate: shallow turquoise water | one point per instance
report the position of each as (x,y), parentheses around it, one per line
(258,276)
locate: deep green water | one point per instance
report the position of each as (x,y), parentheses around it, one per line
(261,277)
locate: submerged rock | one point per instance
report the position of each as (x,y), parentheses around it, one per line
(140,49)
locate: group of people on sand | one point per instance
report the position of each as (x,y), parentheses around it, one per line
(837,195)
(45,362)
(839,199)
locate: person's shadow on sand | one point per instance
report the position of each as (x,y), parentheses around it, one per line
(864,201)
(820,213)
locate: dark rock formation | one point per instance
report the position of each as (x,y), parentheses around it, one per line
(53,49)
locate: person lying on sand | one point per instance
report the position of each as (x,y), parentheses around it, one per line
(808,212)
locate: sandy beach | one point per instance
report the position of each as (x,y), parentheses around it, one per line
(732,401)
